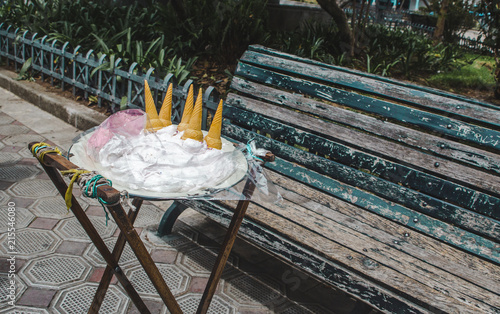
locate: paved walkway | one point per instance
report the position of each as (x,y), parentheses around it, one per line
(57,269)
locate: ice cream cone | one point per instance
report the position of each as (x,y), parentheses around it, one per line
(213,137)
(153,124)
(166,109)
(194,129)
(188,109)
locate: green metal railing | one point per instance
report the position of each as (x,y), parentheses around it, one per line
(84,73)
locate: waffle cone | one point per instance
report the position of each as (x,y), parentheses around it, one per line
(154,122)
(166,109)
(188,109)
(194,129)
(213,137)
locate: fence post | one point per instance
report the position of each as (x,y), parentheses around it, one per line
(1,40)
(33,57)
(185,90)
(99,80)
(87,75)
(210,103)
(52,70)
(130,84)
(42,56)
(7,44)
(152,85)
(63,63)
(114,100)
(75,53)
(23,47)
(15,49)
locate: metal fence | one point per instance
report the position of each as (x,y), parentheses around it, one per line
(420,28)
(474,45)
(117,85)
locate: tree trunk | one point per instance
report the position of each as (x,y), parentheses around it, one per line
(438,33)
(339,17)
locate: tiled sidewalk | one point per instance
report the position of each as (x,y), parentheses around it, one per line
(58,269)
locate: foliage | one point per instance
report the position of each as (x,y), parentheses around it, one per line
(490,12)
(475,74)
(458,17)
(403,51)
(314,41)
(153,35)
(24,73)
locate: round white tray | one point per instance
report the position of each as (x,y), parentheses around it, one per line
(79,157)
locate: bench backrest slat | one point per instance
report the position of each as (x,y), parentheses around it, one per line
(436,228)
(269,121)
(425,143)
(407,88)
(474,134)
(469,220)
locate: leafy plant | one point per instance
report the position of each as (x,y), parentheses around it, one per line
(24,73)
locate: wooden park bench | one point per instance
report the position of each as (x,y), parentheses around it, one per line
(391,191)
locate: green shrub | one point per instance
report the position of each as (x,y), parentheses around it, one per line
(403,51)
(476,75)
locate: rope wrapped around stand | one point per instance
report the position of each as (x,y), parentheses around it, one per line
(88,181)
(39,150)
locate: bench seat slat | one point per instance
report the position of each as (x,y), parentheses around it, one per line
(325,269)
(436,228)
(458,263)
(391,171)
(381,263)
(471,109)
(473,134)
(384,259)
(423,141)
(386,265)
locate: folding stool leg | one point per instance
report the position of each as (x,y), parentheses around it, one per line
(117,252)
(96,239)
(225,249)
(144,258)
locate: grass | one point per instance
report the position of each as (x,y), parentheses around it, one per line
(475,73)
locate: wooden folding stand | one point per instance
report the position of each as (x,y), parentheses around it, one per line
(52,162)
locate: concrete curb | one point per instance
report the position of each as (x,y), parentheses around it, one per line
(63,108)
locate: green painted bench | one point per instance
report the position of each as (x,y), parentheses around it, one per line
(391,191)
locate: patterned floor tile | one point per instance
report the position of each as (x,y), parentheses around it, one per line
(9,158)
(7,288)
(5,119)
(23,310)
(77,299)
(200,261)
(23,139)
(13,129)
(148,215)
(254,290)
(30,243)
(95,258)
(13,173)
(55,271)
(177,280)
(51,207)
(189,304)
(22,218)
(70,229)
(33,189)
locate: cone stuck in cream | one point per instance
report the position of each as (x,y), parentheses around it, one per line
(153,124)
(213,137)
(165,115)
(194,128)
(188,109)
